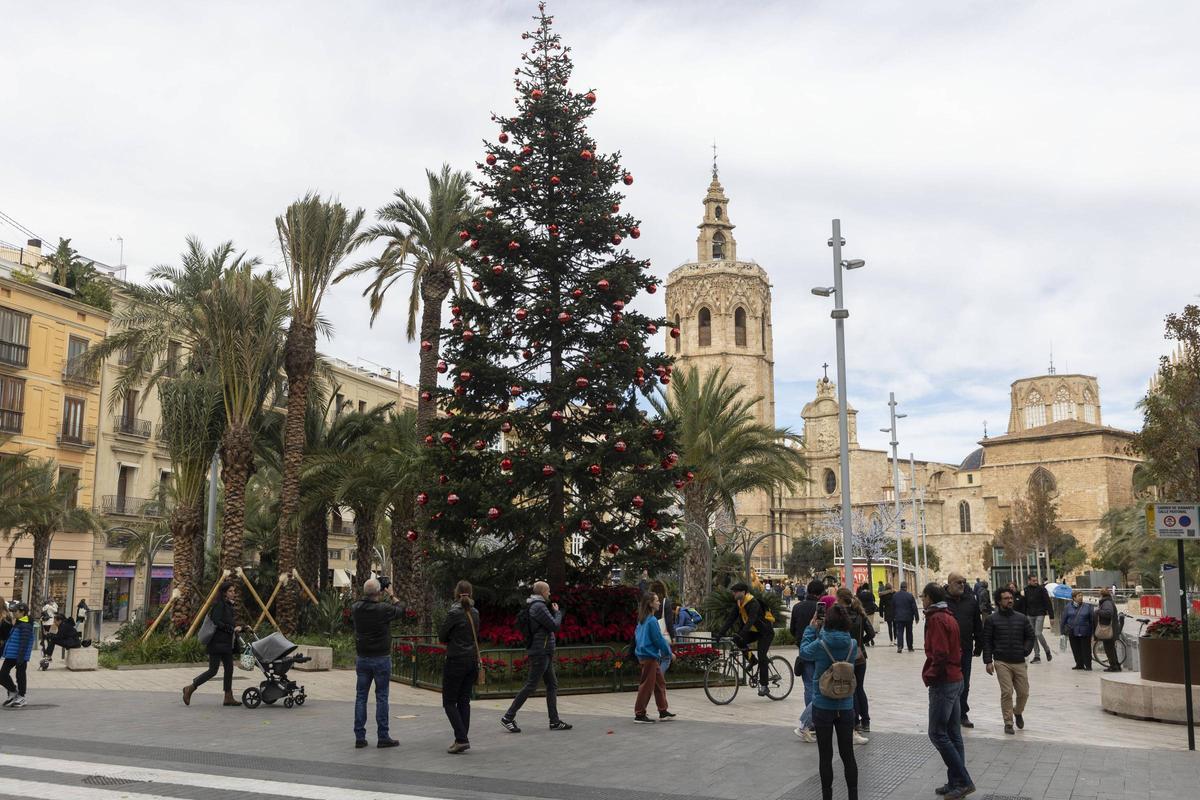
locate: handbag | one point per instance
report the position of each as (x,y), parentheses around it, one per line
(246,661)
(1104,632)
(481,673)
(207,629)
(798,667)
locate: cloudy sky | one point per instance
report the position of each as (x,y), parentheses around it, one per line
(1018,175)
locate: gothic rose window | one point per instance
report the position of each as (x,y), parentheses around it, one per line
(830,482)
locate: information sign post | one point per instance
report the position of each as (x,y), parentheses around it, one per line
(1181,522)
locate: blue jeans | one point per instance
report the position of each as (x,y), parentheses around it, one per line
(810,686)
(377,670)
(945,733)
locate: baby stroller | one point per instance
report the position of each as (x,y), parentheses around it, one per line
(272,654)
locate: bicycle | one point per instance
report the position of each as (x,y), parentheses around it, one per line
(1101,657)
(726,674)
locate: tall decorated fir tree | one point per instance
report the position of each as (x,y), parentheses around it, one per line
(542,437)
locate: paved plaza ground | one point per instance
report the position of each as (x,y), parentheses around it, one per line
(125,734)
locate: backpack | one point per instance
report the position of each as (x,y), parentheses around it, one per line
(525,626)
(694,615)
(838,682)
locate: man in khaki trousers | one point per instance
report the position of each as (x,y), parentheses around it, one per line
(1007,640)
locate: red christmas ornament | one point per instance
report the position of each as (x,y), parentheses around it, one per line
(564,317)
(489,214)
(577,293)
(673,458)
(493,513)
(556,415)
(526,354)
(638,502)
(674,333)
(516,169)
(443,479)
(585,525)
(514,246)
(639,372)
(666,379)
(616,238)
(506,426)
(426,346)
(442,366)
(498,269)
(521,314)
(680,484)
(456,311)
(616,317)
(581,383)
(623,344)
(547,470)
(628,179)
(536,94)
(465,375)
(515,391)
(429,440)
(690,476)
(526,150)
(468,335)
(635,232)
(446,437)
(620,447)
(652,288)
(618,305)
(480,444)
(459,391)
(594,469)
(452,499)
(422,498)
(610,406)
(658,434)
(586,155)
(651,329)
(491,159)
(614,548)
(474,244)
(660,370)
(553,230)
(506,464)
(615,208)
(426,396)
(602,284)
(653,523)
(463,235)
(555,180)
(411,536)
(477,284)
(503,137)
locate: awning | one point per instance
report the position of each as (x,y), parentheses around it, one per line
(341,579)
(162,572)
(118,571)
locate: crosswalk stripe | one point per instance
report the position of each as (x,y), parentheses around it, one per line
(304,791)
(39,790)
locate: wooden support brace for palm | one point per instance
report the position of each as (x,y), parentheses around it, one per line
(174,596)
(257,599)
(283,579)
(207,602)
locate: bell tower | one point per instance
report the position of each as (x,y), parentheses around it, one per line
(716,242)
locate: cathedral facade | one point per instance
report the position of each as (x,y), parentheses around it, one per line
(722,307)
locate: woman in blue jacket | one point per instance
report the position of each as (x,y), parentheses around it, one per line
(825,640)
(1078,624)
(651,649)
(16,655)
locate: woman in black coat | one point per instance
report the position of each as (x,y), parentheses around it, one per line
(220,646)
(460,632)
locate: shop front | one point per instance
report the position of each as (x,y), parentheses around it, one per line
(60,583)
(118,584)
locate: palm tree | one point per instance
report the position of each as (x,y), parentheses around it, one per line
(18,474)
(56,511)
(314,236)
(729,452)
(141,545)
(242,318)
(422,240)
(394,458)
(192,421)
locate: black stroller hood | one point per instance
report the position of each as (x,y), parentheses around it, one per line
(272,648)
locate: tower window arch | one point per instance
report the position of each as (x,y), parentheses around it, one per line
(718,250)
(1043,479)
(739,327)
(1089,406)
(1035,410)
(1063,407)
(678,339)
(964,516)
(717,212)
(704,318)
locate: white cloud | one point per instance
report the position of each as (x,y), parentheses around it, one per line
(1016,174)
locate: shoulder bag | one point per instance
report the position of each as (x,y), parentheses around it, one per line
(207,629)
(481,674)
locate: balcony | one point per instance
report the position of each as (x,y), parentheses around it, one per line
(131,426)
(125,506)
(78,373)
(14,355)
(11,421)
(78,437)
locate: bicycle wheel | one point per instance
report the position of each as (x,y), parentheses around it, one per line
(1098,654)
(721,681)
(780,678)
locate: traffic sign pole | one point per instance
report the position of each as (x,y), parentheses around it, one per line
(1187,649)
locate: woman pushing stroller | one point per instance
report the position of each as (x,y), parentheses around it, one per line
(220,646)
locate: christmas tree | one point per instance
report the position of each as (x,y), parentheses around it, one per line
(543,439)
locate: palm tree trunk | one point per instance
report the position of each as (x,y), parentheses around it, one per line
(313,555)
(237,464)
(299,355)
(38,590)
(185,529)
(364,540)
(699,549)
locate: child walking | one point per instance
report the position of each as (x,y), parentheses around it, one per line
(651,650)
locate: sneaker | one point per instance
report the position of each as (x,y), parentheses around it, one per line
(966,723)
(11,696)
(510,725)
(1049,656)
(945,789)
(1037,659)
(863,728)
(642,719)
(18,701)
(810,736)
(387,743)
(458,747)
(762,691)
(1020,721)
(360,744)
(1009,730)
(560,726)
(666,716)
(960,792)
(859,738)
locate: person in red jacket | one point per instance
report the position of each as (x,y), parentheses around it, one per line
(943,676)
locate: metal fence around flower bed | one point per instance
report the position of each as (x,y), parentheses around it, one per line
(581,669)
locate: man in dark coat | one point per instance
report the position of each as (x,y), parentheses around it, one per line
(802,615)
(904,611)
(886,595)
(545,618)
(965,608)
(1037,607)
(1007,640)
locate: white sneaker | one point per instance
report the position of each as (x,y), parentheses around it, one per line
(18,701)
(810,736)
(859,738)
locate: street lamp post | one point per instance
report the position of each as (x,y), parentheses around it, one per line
(896,488)
(839,315)
(912,471)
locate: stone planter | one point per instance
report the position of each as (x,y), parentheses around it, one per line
(1162,660)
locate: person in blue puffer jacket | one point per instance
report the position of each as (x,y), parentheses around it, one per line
(825,640)
(17,650)
(651,650)
(1078,624)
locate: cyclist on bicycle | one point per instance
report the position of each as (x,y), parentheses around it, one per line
(751,622)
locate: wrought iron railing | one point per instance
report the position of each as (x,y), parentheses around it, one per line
(125,505)
(78,371)
(131,426)
(78,437)
(14,355)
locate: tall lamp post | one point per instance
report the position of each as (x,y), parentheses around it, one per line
(896,487)
(839,315)
(912,471)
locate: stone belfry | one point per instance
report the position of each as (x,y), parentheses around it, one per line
(722,307)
